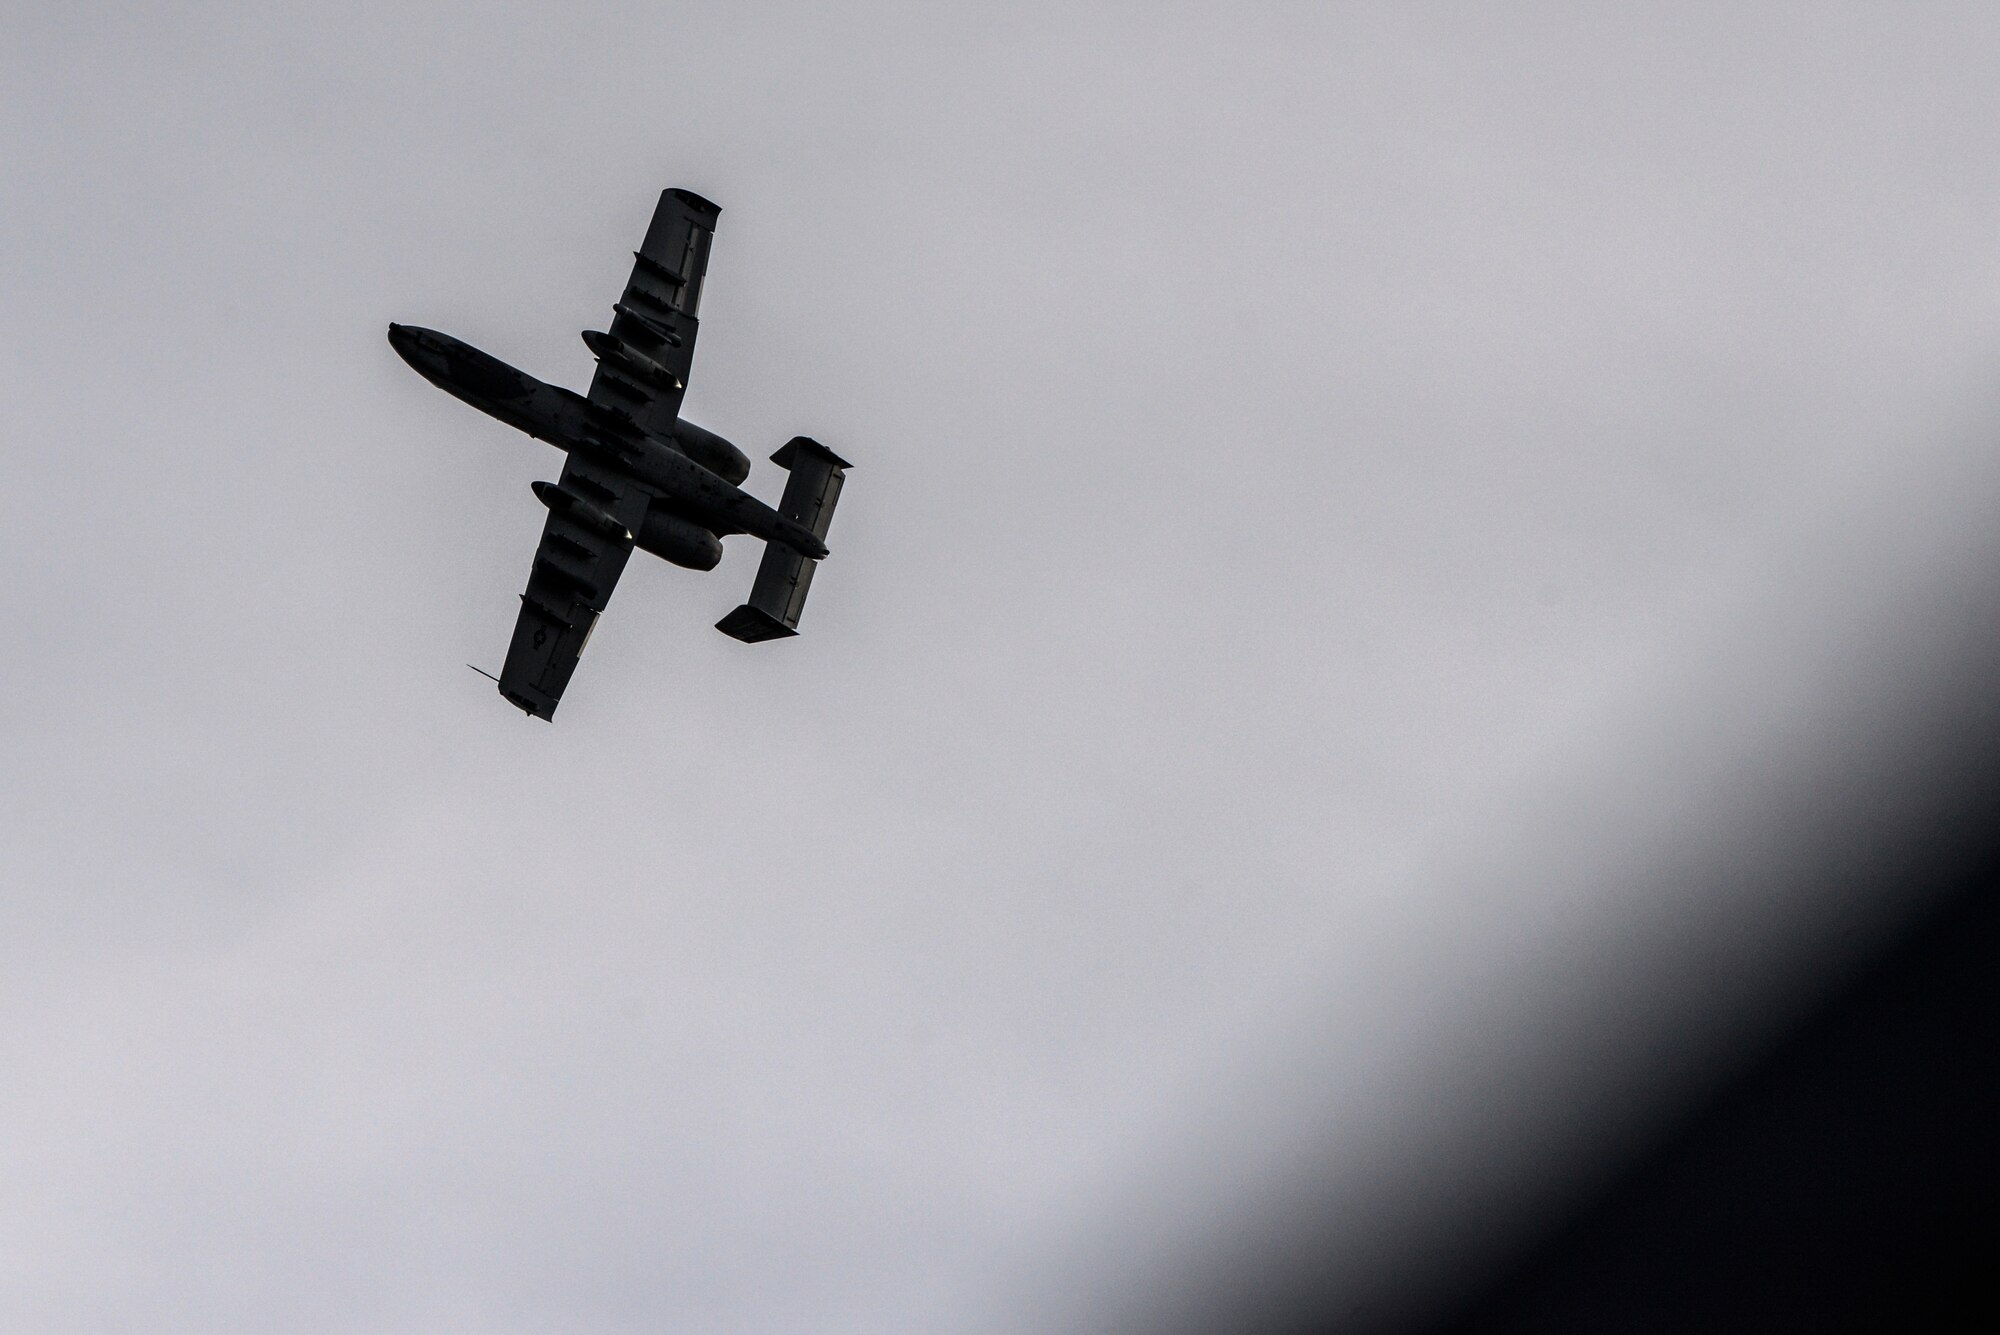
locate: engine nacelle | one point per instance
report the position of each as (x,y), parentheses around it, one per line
(712,452)
(681,541)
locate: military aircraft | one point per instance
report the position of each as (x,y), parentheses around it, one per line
(637,474)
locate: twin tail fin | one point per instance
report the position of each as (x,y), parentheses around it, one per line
(779,594)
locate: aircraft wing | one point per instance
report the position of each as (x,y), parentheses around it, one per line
(593,512)
(642,367)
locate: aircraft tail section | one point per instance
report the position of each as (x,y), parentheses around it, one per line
(779,594)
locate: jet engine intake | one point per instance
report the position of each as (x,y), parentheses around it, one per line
(712,452)
(681,541)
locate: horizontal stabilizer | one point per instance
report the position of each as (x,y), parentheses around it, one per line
(779,594)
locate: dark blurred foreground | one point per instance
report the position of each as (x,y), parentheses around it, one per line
(1845,1179)
(1846,1182)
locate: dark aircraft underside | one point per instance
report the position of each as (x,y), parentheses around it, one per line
(637,475)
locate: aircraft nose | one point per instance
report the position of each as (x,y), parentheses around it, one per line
(408,341)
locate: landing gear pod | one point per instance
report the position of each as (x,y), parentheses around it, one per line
(675,538)
(779,594)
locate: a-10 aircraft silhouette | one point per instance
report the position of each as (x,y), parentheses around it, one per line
(637,475)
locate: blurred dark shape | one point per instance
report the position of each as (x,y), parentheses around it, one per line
(1847,1182)
(1844,1180)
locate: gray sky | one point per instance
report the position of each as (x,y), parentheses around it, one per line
(1359,512)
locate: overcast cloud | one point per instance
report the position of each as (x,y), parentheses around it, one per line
(1358,512)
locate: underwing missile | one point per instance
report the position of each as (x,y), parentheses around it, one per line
(579,511)
(615,351)
(651,325)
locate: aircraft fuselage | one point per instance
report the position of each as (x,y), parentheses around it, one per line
(682,486)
